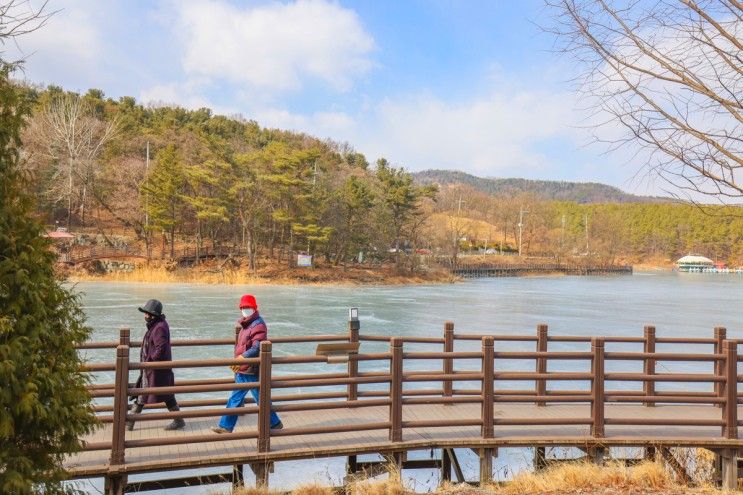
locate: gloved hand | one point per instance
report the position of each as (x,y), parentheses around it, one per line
(236,367)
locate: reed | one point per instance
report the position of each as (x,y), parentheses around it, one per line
(296,276)
(616,478)
(567,478)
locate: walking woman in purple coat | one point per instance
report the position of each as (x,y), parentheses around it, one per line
(155,347)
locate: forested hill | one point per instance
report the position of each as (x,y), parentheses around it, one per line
(578,192)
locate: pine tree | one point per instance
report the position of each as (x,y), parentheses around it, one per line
(44,406)
(163,193)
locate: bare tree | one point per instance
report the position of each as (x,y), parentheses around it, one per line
(19,17)
(669,75)
(71,137)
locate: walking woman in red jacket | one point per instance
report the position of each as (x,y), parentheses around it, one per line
(252,332)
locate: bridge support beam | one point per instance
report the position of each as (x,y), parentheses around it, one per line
(677,467)
(261,470)
(114,484)
(729,459)
(597,455)
(486,465)
(395,461)
(650,453)
(238,476)
(540,459)
(445,466)
(453,463)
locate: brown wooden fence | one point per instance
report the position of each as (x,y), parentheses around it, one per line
(400,379)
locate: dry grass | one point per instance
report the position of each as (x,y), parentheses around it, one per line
(573,478)
(269,275)
(392,485)
(583,475)
(310,489)
(164,275)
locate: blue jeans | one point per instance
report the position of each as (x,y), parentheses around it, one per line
(236,400)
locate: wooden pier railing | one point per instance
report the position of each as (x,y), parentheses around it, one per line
(413,406)
(477,271)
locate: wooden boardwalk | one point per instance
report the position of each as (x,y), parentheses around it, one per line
(424,400)
(218,453)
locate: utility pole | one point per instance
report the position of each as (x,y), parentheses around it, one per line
(146,203)
(562,235)
(521,225)
(146,196)
(586,222)
(459,207)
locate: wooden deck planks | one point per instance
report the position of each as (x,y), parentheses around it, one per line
(185,455)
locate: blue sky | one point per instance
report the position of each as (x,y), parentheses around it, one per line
(466,85)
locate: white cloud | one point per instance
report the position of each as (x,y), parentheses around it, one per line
(332,125)
(496,134)
(185,95)
(275,46)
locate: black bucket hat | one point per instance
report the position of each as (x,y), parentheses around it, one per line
(153,307)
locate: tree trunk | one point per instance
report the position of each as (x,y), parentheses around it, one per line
(291,247)
(172,242)
(251,250)
(198,241)
(82,206)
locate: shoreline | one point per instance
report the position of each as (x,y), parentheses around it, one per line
(278,275)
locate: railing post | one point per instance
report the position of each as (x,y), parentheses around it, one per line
(720,336)
(648,386)
(730,411)
(448,362)
(124,336)
(121,385)
(488,393)
(597,388)
(125,339)
(541,384)
(354,325)
(264,398)
(396,390)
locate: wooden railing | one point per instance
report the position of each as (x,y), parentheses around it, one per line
(395,371)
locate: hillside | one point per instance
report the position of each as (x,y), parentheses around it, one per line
(578,192)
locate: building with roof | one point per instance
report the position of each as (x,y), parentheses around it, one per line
(694,263)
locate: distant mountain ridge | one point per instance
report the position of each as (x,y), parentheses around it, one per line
(579,192)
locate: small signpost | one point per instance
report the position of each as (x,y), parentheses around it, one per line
(304,260)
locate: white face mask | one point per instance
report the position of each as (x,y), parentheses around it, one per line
(247,312)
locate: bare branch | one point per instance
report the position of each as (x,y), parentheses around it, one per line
(668,72)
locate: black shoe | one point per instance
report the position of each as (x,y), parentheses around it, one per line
(177,424)
(278,426)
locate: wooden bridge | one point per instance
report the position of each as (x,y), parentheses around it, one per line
(99,253)
(186,255)
(477,271)
(410,398)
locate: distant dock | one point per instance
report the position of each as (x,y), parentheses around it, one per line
(537,269)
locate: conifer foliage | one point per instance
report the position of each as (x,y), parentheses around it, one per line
(44,406)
